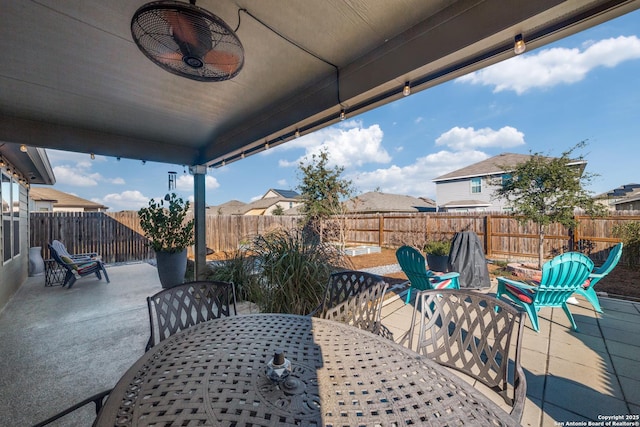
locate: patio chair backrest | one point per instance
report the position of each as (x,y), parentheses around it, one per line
(472,332)
(174,309)
(561,276)
(355,298)
(413,265)
(60,248)
(58,258)
(612,260)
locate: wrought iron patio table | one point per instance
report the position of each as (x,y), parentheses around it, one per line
(214,374)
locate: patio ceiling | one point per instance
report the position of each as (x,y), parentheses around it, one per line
(71,77)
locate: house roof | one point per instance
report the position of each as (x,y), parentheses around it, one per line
(305,63)
(375,201)
(617,192)
(631,196)
(496,165)
(62,199)
(285,194)
(232,207)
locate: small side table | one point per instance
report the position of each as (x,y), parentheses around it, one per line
(53,273)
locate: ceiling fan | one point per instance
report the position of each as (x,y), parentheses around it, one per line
(187,40)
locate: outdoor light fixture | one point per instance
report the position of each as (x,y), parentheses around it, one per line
(266,145)
(187,40)
(1,162)
(407,89)
(343,115)
(93,156)
(519,46)
(23,148)
(297,134)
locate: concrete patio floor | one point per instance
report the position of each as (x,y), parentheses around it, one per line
(62,345)
(571,376)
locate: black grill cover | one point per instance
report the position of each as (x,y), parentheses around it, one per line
(467,258)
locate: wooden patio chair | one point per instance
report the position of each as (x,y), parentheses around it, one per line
(174,309)
(355,298)
(472,333)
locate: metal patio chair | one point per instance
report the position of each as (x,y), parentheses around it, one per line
(174,309)
(472,333)
(413,265)
(355,298)
(78,266)
(586,290)
(561,277)
(97,399)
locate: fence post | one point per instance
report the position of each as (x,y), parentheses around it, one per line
(380,229)
(487,236)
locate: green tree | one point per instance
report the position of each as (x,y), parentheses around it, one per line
(323,191)
(278,210)
(547,190)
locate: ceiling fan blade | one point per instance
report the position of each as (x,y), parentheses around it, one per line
(190,32)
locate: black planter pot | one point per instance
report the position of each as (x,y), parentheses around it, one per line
(172,267)
(438,263)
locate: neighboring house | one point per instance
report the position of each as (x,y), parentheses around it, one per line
(44,199)
(232,207)
(20,167)
(616,199)
(631,201)
(472,188)
(285,199)
(377,202)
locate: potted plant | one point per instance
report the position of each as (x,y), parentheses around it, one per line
(169,235)
(438,255)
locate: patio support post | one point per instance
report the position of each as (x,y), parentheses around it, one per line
(199,215)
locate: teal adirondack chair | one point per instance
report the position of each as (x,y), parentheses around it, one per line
(586,290)
(413,265)
(561,277)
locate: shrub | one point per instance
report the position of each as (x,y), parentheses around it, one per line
(294,269)
(438,247)
(629,233)
(239,267)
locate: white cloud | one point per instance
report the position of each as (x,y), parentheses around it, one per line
(349,144)
(283,182)
(460,139)
(76,169)
(418,120)
(185,183)
(415,179)
(76,176)
(127,200)
(551,67)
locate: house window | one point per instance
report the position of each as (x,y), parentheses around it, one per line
(506,178)
(476,185)
(10,193)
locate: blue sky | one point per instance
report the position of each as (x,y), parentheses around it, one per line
(585,87)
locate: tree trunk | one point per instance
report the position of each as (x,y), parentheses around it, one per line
(540,246)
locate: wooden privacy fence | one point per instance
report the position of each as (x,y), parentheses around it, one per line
(83,232)
(118,238)
(503,236)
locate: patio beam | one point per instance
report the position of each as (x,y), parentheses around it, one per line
(199,214)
